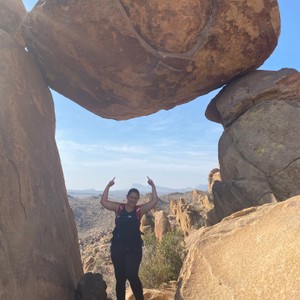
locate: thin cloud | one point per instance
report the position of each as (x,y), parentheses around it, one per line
(73,146)
(161,125)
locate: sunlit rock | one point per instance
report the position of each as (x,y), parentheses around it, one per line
(161,224)
(12,13)
(39,253)
(153,294)
(253,254)
(187,216)
(123,59)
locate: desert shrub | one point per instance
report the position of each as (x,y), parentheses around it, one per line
(162,261)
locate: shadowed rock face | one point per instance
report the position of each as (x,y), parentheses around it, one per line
(91,287)
(39,253)
(123,59)
(259,151)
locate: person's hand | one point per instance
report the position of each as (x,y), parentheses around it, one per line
(150,182)
(111,183)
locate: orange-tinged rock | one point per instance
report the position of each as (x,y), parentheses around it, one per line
(39,253)
(12,13)
(161,224)
(123,59)
(252,254)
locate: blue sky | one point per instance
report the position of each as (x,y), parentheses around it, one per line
(176,148)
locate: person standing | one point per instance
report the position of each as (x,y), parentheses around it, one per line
(126,243)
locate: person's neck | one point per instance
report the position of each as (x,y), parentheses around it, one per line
(129,208)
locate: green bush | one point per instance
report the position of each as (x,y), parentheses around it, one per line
(161,261)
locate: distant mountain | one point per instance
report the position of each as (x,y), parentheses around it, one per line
(165,190)
(121,194)
(202,187)
(84,193)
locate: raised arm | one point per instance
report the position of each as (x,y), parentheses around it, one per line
(110,205)
(153,201)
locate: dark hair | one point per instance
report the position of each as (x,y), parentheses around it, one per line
(133,190)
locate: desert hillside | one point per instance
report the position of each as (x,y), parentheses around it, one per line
(91,217)
(95,225)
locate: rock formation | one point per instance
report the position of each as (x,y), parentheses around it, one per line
(253,254)
(214,175)
(39,254)
(147,223)
(95,255)
(91,287)
(12,13)
(187,216)
(123,59)
(161,224)
(201,200)
(259,151)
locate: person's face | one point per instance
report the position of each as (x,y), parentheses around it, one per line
(132,199)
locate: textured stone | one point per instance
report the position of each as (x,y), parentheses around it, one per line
(123,59)
(161,224)
(259,150)
(251,89)
(152,294)
(202,200)
(147,223)
(12,13)
(187,217)
(234,195)
(91,287)
(39,253)
(253,254)
(213,176)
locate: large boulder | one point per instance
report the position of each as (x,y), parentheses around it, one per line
(39,253)
(253,254)
(259,149)
(254,88)
(123,59)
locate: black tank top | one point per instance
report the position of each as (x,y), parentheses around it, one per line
(127,229)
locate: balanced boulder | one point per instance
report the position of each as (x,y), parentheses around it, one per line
(124,59)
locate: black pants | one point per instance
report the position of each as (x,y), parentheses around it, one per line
(126,261)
